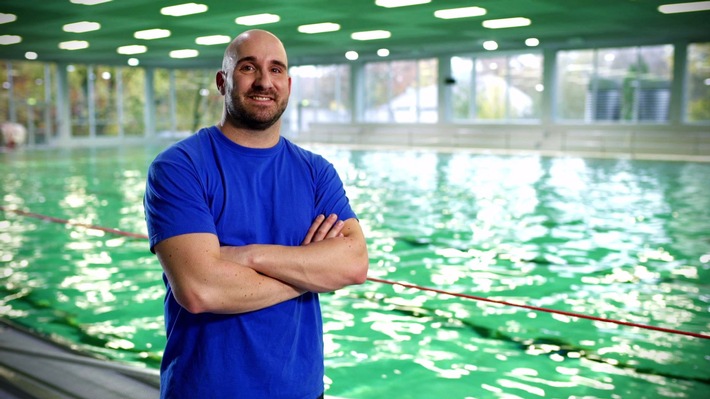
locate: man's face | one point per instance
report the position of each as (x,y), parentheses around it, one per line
(256,93)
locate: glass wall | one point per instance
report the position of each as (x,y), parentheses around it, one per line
(497,88)
(401,91)
(319,93)
(132,106)
(697,88)
(631,84)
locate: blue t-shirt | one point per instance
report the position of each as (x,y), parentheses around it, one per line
(208,184)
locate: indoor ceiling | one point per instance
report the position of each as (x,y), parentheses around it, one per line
(415,31)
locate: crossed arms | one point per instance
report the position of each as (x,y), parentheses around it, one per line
(205,277)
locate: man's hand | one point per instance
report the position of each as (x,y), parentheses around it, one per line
(324,228)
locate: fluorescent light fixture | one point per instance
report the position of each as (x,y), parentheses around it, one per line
(399,3)
(10,39)
(133,49)
(258,19)
(319,28)
(371,35)
(352,55)
(684,7)
(506,23)
(81,27)
(490,45)
(31,55)
(183,9)
(186,53)
(214,39)
(74,45)
(89,2)
(463,12)
(7,18)
(532,42)
(383,52)
(151,34)
(133,61)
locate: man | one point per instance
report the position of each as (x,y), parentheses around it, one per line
(236,216)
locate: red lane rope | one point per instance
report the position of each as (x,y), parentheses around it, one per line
(390,282)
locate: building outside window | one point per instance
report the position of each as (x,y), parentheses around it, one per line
(319,94)
(630,84)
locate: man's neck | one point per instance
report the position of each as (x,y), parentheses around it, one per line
(252,138)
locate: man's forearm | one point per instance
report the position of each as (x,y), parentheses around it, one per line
(321,266)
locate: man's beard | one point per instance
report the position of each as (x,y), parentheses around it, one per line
(254,119)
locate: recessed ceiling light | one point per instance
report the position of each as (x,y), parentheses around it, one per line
(383,52)
(186,53)
(31,55)
(490,45)
(133,61)
(258,19)
(7,18)
(463,12)
(74,45)
(352,55)
(506,23)
(532,42)
(214,39)
(81,27)
(371,35)
(399,3)
(151,34)
(133,49)
(183,9)
(89,2)
(319,28)
(684,7)
(10,39)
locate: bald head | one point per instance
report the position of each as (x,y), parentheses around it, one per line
(255,38)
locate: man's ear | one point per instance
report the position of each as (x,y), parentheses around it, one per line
(220,80)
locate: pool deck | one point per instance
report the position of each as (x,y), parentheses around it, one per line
(32,367)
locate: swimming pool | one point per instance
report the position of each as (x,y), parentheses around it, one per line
(615,239)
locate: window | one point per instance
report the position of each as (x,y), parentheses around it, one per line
(497,88)
(697,94)
(402,91)
(630,84)
(320,93)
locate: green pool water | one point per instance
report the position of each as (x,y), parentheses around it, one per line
(616,239)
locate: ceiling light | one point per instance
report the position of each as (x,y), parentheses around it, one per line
(74,45)
(89,2)
(183,9)
(532,42)
(214,39)
(684,7)
(81,27)
(490,45)
(187,53)
(7,18)
(506,23)
(10,39)
(319,28)
(371,35)
(399,3)
(352,55)
(258,19)
(31,55)
(133,49)
(383,52)
(151,34)
(464,12)
(133,61)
